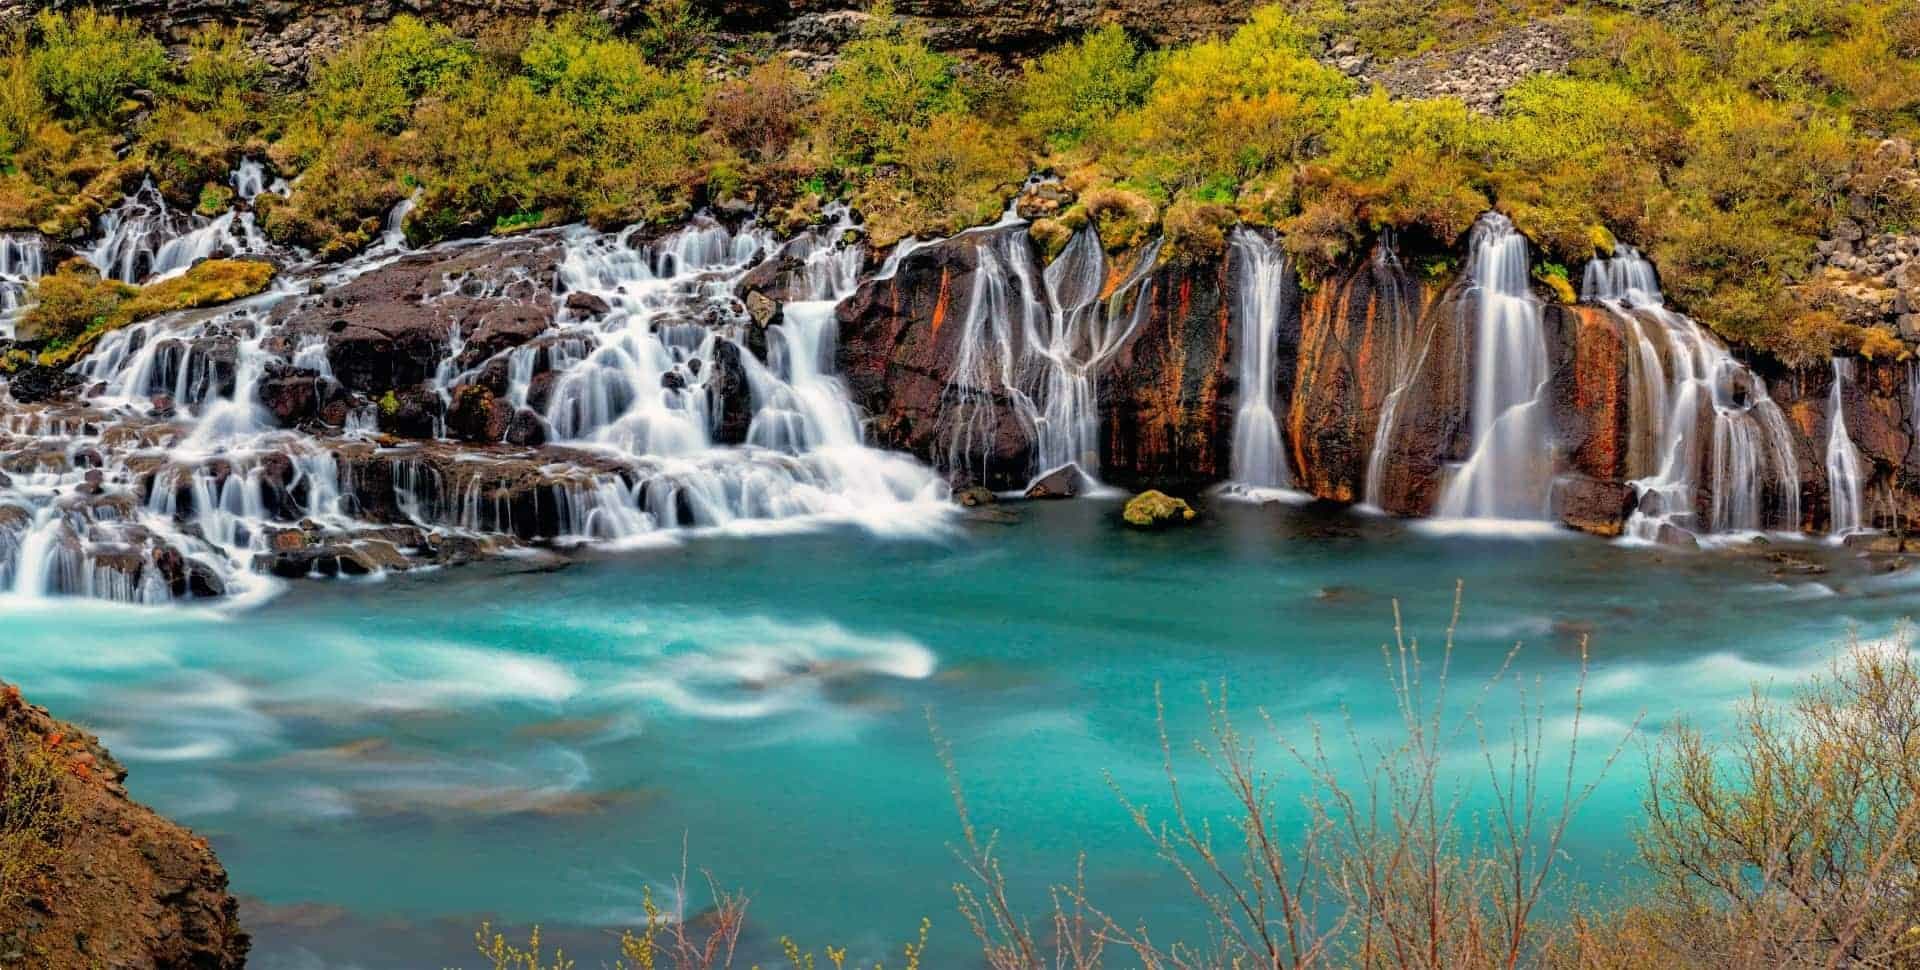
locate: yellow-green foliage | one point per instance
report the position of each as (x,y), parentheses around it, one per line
(74,306)
(1196,230)
(1226,112)
(86,62)
(885,86)
(209,282)
(22,108)
(34,818)
(1724,142)
(1069,93)
(70,301)
(952,173)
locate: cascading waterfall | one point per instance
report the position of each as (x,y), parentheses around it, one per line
(1259,307)
(143,239)
(171,479)
(1700,418)
(1507,474)
(1846,472)
(1041,339)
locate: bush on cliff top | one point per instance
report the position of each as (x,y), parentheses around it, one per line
(1724,142)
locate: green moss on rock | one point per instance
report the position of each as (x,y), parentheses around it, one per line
(1153,509)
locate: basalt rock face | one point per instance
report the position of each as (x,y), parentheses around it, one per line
(125,887)
(1361,337)
(1878,406)
(900,342)
(394,328)
(1167,397)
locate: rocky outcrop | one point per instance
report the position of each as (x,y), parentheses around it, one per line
(1479,75)
(1362,337)
(1374,380)
(392,329)
(1872,279)
(122,887)
(901,342)
(290,35)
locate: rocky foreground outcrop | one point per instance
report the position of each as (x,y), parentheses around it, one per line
(124,888)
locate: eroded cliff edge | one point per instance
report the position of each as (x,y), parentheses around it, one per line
(119,886)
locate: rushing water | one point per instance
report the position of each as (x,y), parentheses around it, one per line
(172,480)
(1680,373)
(381,765)
(1845,469)
(1259,309)
(1507,474)
(1043,339)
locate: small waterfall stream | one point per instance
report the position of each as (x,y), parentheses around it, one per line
(22,260)
(1259,308)
(1846,472)
(1507,474)
(1041,339)
(1701,420)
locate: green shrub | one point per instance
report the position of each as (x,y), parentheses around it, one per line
(675,30)
(1232,111)
(1069,92)
(375,80)
(219,67)
(22,109)
(86,62)
(886,86)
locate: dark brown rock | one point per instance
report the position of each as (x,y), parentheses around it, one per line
(125,883)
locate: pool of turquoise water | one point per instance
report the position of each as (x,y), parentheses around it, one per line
(381,765)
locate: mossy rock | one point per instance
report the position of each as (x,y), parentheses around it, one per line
(75,307)
(1153,509)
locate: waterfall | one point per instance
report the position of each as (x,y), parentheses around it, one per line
(1507,473)
(22,261)
(1259,308)
(1042,340)
(1846,472)
(1407,366)
(171,479)
(1700,419)
(144,239)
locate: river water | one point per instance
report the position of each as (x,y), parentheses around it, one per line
(382,764)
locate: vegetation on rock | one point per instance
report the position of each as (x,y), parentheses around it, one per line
(74,307)
(1154,508)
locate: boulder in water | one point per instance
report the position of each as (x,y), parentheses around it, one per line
(1153,509)
(33,383)
(587,304)
(1062,482)
(975,496)
(1595,507)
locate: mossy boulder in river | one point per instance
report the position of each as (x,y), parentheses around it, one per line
(1153,509)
